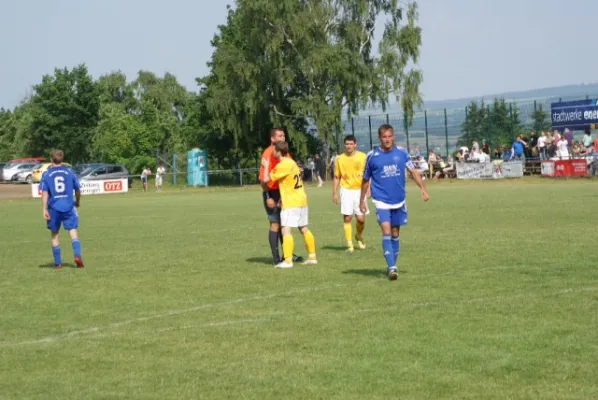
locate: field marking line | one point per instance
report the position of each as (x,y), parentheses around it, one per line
(270,317)
(99,328)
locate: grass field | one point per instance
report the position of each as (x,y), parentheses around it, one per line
(497,298)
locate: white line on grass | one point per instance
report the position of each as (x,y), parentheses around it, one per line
(278,316)
(72,334)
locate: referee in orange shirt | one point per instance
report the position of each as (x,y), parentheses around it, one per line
(271,195)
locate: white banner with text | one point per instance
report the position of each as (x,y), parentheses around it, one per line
(494,170)
(93,187)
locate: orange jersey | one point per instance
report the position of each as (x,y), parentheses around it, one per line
(269,162)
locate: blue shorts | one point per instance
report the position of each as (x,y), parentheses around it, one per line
(396,216)
(69,219)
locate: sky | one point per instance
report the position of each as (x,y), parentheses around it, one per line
(470,47)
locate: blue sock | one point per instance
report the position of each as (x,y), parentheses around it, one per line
(56,254)
(396,245)
(387,251)
(76,247)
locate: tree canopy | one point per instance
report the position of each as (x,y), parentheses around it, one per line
(296,64)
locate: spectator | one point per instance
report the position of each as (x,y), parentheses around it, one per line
(422,166)
(517,152)
(542,145)
(568,137)
(319,168)
(497,153)
(485,147)
(563,150)
(447,168)
(587,138)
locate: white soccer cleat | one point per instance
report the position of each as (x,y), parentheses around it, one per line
(310,261)
(284,264)
(350,250)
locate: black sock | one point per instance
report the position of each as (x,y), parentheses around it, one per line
(273,239)
(280,237)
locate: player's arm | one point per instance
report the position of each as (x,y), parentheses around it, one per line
(417,178)
(77,189)
(45,196)
(264,174)
(337,181)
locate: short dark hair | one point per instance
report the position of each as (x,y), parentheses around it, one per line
(350,138)
(57,156)
(274,130)
(282,147)
(383,128)
(587,131)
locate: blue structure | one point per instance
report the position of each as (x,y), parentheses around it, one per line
(575,115)
(197,168)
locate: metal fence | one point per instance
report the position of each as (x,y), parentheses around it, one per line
(438,129)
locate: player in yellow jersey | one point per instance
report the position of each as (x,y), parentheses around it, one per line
(293,206)
(348,172)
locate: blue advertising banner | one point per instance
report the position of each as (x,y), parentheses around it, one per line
(575,115)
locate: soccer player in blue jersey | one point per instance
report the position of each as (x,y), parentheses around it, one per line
(58,184)
(385,167)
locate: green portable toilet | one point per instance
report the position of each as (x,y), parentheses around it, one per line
(197,168)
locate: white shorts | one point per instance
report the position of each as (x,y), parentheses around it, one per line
(293,217)
(350,202)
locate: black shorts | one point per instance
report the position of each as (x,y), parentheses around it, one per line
(273,213)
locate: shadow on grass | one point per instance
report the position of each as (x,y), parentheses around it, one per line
(377,272)
(335,248)
(64,265)
(260,260)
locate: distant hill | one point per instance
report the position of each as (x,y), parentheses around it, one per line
(565,92)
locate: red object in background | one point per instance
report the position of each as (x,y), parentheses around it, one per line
(570,167)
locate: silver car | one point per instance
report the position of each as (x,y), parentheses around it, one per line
(25,175)
(10,174)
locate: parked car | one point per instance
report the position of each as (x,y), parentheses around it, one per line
(104,172)
(40,169)
(82,167)
(11,172)
(25,175)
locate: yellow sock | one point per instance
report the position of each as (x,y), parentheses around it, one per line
(287,248)
(310,244)
(348,233)
(360,227)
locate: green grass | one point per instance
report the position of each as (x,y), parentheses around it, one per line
(497,298)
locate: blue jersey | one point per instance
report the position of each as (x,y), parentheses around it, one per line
(518,147)
(386,170)
(60,183)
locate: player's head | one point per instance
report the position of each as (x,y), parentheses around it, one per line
(386,135)
(57,156)
(350,143)
(281,149)
(277,135)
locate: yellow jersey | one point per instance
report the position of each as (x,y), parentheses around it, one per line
(350,170)
(288,176)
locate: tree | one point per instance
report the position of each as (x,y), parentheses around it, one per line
(64,111)
(541,120)
(498,123)
(293,63)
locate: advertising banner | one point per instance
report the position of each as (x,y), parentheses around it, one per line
(575,115)
(93,187)
(494,170)
(576,167)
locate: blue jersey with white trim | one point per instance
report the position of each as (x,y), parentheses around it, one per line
(60,183)
(386,171)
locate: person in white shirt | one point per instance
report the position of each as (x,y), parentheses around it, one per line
(159,172)
(563,150)
(542,145)
(144,174)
